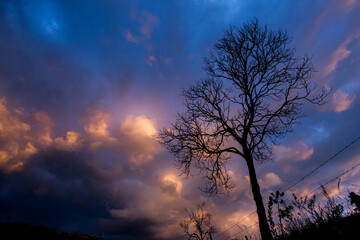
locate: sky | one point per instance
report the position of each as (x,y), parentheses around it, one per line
(86,85)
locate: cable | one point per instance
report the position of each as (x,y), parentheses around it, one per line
(243,219)
(300,180)
(342,174)
(354,185)
(241,231)
(323,185)
(333,179)
(321,165)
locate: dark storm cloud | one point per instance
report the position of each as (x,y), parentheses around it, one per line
(66,190)
(55,189)
(59,190)
(105,174)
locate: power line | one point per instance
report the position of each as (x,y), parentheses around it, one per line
(353,184)
(333,179)
(236,224)
(322,185)
(241,230)
(322,164)
(297,182)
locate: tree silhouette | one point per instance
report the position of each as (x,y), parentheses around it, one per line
(355,200)
(253,94)
(198,224)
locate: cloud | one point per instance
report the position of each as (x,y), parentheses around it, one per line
(240,181)
(92,163)
(349,5)
(16,142)
(131,38)
(270,180)
(138,127)
(299,152)
(160,200)
(22,138)
(170,184)
(96,125)
(151,60)
(325,14)
(237,217)
(140,143)
(342,101)
(71,142)
(341,53)
(145,23)
(102,170)
(44,125)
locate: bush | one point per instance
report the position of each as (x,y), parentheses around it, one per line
(24,231)
(307,218)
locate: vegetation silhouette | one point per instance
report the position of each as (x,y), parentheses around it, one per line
(198,224)
(306,218)
(253,95)
(15,231)
(355,200)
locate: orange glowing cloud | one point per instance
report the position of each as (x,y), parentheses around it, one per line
(139,126)
(349,5)
(299,152)
(330,10)
(45,125)
(97,128)
(237,219)
(241,182)
(160,200)
(135,137)
(71,142)
(139,133)
(97,125)
(342,101)
(341,53)
(171,185)
(16,143)
(270,180)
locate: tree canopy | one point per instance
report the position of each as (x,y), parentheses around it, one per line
(253,95)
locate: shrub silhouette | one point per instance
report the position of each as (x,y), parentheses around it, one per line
(24,231)
(307,218)
(198,225)
(355,200)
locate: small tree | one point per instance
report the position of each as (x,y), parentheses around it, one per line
(198,224)
(355,200)
(253,94)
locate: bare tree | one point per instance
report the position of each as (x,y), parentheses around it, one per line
(198,224)
(253,95)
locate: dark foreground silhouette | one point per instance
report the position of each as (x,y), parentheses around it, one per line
(305,218)
(23,231)
(347,228)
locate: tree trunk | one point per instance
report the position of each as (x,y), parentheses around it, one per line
(260,209)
